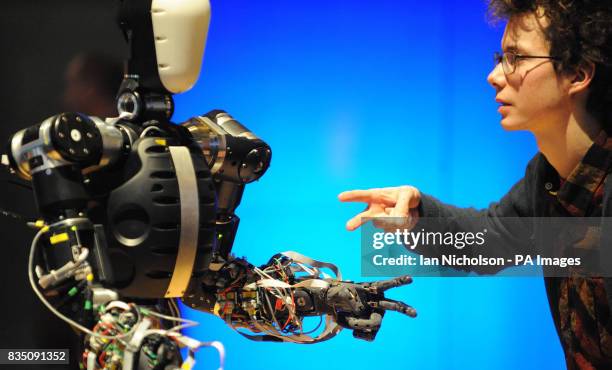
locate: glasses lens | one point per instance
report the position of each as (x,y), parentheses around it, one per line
(508,62)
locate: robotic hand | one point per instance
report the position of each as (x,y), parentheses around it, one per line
(361,306)
(274,299)
(138,211)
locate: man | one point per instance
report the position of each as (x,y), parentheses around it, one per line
(554,79)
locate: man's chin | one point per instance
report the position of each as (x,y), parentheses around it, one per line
(511,125)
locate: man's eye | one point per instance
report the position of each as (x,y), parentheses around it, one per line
(518,60)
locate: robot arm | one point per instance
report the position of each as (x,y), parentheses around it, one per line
(274,299)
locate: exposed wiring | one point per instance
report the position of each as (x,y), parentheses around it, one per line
(42,298)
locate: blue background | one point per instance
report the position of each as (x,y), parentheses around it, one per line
(359,94)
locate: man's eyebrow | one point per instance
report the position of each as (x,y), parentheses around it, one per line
(512,48)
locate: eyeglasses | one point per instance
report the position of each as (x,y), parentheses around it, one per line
(510,59)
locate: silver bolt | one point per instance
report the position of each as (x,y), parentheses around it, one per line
(75,135)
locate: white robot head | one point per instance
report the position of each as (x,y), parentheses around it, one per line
(180,28)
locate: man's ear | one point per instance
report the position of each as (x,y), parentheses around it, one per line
(582,78)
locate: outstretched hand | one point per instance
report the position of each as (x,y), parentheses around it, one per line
(389,208)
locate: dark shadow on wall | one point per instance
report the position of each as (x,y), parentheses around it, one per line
(38,40)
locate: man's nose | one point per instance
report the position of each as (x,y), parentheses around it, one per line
(496,77)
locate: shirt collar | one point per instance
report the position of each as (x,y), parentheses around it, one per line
(576,194)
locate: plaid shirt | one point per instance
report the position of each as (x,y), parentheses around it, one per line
(580,305)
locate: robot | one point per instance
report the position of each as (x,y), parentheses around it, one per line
(137,212)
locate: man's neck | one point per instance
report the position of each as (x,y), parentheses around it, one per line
(565,145)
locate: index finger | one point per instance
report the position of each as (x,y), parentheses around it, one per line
(401,307)
(367,196)
(383,285)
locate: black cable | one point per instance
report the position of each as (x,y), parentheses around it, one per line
(316,328)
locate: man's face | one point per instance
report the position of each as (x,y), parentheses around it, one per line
(533,97)
(76,92)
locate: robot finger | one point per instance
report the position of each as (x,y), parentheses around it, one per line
(373,323)
(383,285)
(401,307)
(367,335)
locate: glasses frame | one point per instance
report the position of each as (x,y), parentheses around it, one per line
(510,68)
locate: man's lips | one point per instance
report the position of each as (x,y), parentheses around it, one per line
(502,102)
(503,106)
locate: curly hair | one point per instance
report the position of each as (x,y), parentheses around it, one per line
(579,32)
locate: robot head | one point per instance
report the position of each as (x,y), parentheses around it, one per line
(179,31)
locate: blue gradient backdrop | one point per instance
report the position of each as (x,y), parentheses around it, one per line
(359,94)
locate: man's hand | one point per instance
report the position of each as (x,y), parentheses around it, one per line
(389,208)
(361,306)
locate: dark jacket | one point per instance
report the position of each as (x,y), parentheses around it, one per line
(535,198)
